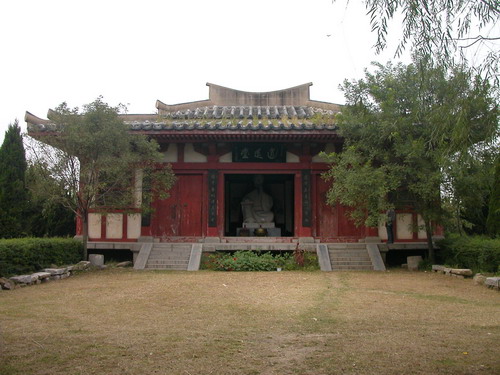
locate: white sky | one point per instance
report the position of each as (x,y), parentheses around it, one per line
(134,52)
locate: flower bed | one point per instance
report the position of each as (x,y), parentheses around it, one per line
(259,261)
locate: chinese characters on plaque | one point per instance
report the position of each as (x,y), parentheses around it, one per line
(259,153)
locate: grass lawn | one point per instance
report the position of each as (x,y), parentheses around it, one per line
(121,321)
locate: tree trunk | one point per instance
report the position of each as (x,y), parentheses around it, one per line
(430,244)
(85,235)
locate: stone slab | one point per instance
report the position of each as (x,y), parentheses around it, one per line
(479,279)
(375,257)
(55,271)
(493,282)
(23,279)
(142,258)
(96,259)
(413,262)
(325,263)
(41,275)
(195,257)
(7,284)
(271,232)
(259,225)
(461,271)
(438,268)
(127,263)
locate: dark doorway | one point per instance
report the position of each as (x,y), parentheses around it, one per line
(279,186)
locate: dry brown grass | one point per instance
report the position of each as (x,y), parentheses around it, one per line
(126,322)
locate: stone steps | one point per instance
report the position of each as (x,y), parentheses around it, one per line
(169,256)
(349,257)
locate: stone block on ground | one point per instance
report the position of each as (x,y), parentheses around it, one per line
(41,275)
(24,279)
(479,279)
(96,259)
(462,272)
(7,284)
(125,264)
(413,262)
(81,266)
(493,282)
(55,271)
(438,268)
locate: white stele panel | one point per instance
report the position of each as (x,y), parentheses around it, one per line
(404,226)
(292,158)
(95,225)
(226,158)
(421,229)
(134,226)
(170,156)
(114,226)
(191,156)
(382,230)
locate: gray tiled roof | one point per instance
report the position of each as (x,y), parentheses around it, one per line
(217,118)
(246,112)
(238,118)
(228,125)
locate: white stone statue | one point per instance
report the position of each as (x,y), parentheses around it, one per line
(256,205)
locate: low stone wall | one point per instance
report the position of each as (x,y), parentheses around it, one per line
(46,275)
(490,282)
(51,274)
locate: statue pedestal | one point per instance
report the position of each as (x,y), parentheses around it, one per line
(272,231)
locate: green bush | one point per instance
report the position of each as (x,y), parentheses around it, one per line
(27,255)
(480,254)
(257,261)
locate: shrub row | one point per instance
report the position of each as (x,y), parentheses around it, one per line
(258,261)
(27,255)
(480,254)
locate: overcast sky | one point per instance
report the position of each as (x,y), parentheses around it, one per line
(134,52)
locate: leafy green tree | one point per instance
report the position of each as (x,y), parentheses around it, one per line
(13,192)
(466,189)
(402,125)
(493,221)
(47,218)
(442,29)
(96,163)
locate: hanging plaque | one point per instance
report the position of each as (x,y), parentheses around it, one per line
(259,153)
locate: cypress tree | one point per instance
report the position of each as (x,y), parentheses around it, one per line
(13,192)
(493,221)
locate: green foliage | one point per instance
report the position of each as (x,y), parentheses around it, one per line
(90,161)
(439,29)
(466,188)
(257,261)
(27,255)
(480,254)
(13,192)
(403,125)
(493,221)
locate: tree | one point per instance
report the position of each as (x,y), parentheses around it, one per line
(440,28)
(46,217)
(13,192)
(96,163)
(493,221)
(402,126)
(466,190)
